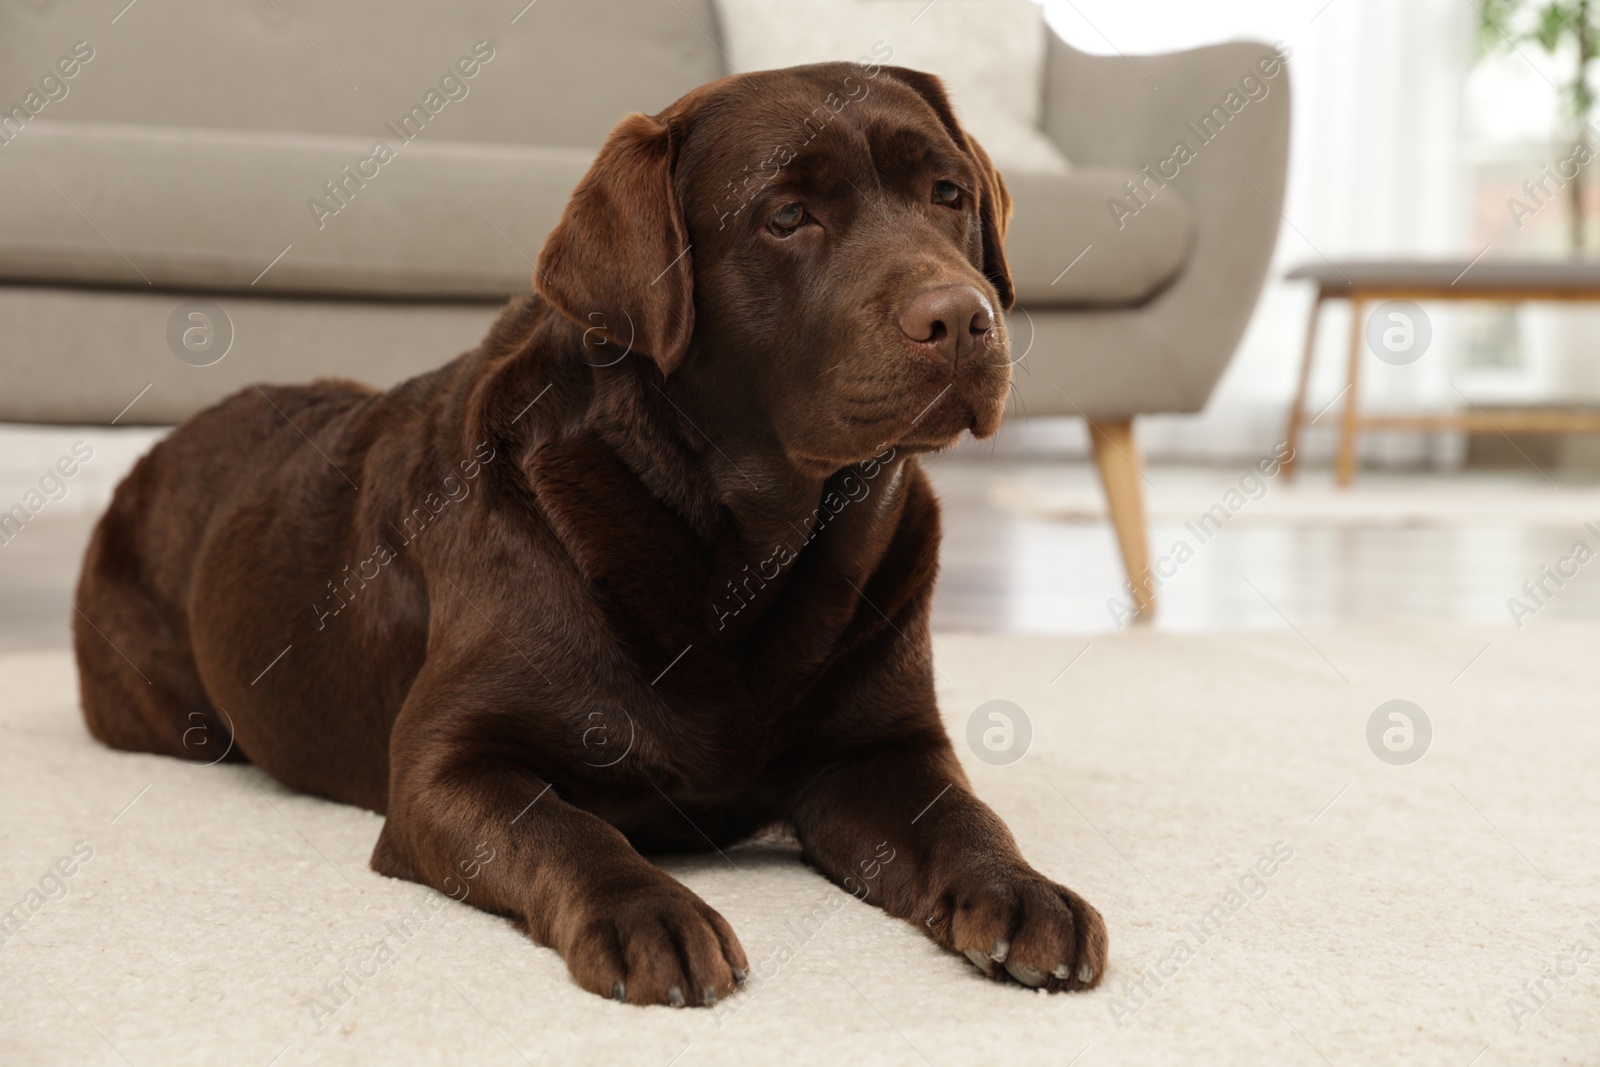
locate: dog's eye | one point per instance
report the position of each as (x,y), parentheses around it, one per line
(947,194)
(788,218)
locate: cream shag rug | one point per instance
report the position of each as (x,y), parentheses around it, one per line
(1275,892)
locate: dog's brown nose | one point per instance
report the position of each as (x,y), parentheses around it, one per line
(954,319)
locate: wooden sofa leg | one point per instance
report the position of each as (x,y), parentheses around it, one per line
(1121,470)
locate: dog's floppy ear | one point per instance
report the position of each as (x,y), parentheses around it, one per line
(994,200)
(617,263)
(995,212)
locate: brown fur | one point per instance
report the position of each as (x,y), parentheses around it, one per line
(648,570)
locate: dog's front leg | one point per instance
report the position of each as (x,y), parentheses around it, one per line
(465,818)
(902,829)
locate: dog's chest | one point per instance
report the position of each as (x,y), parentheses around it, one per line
(668,588)
(674,782)
(728,642)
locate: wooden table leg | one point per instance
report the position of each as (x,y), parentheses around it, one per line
(1297,413)
(1349,425)
(1117,457)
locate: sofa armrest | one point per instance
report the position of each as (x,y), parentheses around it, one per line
(1228,105)
(1131,110)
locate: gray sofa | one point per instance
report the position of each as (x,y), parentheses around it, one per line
(179,151)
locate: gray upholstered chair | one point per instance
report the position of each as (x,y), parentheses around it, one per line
(185,152)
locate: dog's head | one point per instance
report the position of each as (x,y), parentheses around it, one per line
(818,250)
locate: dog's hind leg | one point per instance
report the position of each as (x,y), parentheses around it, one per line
(136,674)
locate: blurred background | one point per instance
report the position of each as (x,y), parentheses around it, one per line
(1415,124)
(1412,132)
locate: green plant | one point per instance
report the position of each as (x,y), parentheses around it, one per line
(1565,29)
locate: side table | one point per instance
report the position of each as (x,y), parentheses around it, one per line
(1364,283)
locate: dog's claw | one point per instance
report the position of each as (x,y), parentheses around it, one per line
(980,961)
(619,991)
(1002,948)
(1085,973)
(675,997)
(739,976)
(1031,977)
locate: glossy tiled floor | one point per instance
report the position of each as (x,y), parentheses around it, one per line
(1007,571)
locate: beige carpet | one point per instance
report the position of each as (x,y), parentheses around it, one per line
(207,911)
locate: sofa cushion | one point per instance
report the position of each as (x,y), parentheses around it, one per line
(81,356)
(1076,239)
(208,209)
(989,53)
(562,72)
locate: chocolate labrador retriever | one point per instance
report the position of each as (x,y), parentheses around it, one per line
(648,570)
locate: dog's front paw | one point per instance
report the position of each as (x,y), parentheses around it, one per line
(1019,925)
(655,944)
